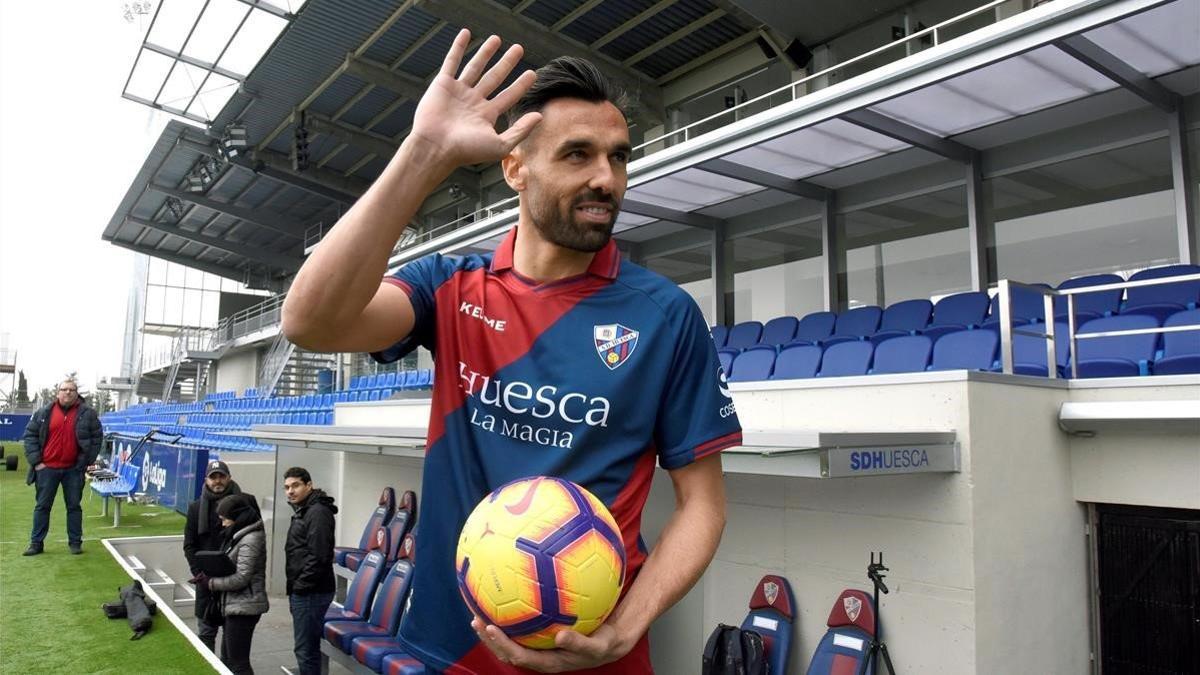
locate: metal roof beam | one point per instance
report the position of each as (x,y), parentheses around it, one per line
(741,172)
(284,262)
(1098,59)
(192,61)
(632,23)
(671,215)
(275,222)
(371,142)
(321,182)
(574,14)
(894,128)
(541,46)
(231,273)
(269,8)
(379,75)
(675,36)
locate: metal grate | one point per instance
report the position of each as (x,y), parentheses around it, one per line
(1149,573)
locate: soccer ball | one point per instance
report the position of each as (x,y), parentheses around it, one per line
(540,555)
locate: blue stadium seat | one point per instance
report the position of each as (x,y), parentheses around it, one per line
(779,331)
(374,396)
(797,361)
(1027,307)
(1090,306)
(957,312)
(719,335)
(1117,356)
(903,318)
(965,350)
(744,334)
(1163,300)
(725,356)
(390,380)
(847,358)
(754,364)
(425,378)
(904,354)
(1181,351)
(1029,352)
(855,324)
(815,327)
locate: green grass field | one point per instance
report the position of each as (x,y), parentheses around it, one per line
(50,618)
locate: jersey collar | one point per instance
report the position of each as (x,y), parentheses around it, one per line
(605,264)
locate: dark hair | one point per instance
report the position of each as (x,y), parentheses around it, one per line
(569,77)
(298,472)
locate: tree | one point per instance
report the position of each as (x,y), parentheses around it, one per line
(101,400)
(22,398)
(45,396)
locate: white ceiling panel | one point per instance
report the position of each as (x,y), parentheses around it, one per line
(1159,41)
(691,189)
(1016,86)
(823,147)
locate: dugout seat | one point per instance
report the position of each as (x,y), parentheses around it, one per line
(384,620)
(851,626)
(854,324)
(1090,306)
(743,335)
(367,541)
(815,327)
(772,609)
(370,650)
(362,588)
(400,527)
(401,664)
(779,331)
(965,350)
(754,364)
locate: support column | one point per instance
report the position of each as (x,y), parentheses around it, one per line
(833,257)
(978,228)
(722,278)
(1184,187)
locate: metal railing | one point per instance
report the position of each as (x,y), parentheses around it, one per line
(1008,330)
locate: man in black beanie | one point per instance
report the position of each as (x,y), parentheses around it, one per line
(203,532)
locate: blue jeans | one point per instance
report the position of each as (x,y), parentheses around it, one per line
(47,483)
(308,621)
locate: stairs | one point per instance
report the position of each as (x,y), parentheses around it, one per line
(290,371)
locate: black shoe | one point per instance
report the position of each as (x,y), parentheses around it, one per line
(34,549)
(76,549)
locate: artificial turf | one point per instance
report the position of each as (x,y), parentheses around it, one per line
(50,617)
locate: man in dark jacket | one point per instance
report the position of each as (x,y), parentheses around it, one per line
(61,441)
(309,550)
(203,532)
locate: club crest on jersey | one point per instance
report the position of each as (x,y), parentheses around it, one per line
(615,343)
(853,607)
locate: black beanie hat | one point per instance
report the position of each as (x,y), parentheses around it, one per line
(235,505)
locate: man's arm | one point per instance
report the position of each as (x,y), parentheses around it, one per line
(33,440)
(190,534)
(337,302)
(683,552)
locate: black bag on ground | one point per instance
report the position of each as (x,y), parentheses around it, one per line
(733,651)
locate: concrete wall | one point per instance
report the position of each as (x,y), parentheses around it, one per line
(1160,468)
(236,372)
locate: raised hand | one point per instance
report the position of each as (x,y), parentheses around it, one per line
(456,117)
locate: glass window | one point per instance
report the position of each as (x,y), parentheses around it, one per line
(173,310)
(191,307)
(1108,212)
(912,248)
(155,300)
(175,275)
(158,271)
(777,272)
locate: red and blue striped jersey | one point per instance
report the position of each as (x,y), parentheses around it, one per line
(594,378)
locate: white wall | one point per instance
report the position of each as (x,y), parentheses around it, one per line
(236,372)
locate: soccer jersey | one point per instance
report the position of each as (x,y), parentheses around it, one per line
(595,379)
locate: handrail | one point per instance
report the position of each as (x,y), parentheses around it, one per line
(1007,330)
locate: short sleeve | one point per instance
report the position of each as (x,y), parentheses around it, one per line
(696,416)
(419,280)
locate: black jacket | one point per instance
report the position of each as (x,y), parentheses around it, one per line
(213,539)
(88,434)
(309,546)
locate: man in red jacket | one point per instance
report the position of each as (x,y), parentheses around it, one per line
(61,440)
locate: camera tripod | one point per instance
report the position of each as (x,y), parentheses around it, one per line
(877,647)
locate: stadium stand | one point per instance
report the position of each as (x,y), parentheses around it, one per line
(1181,351)
(855,324)
(1117,355)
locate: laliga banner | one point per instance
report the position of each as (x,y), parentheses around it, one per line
(12,427)
(173,476)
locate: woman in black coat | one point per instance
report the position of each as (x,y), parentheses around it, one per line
(243,593)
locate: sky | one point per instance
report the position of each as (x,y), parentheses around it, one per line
(70,147)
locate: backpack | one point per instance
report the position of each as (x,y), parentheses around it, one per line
(734,651)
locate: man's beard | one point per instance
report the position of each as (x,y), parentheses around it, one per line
(561,229)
